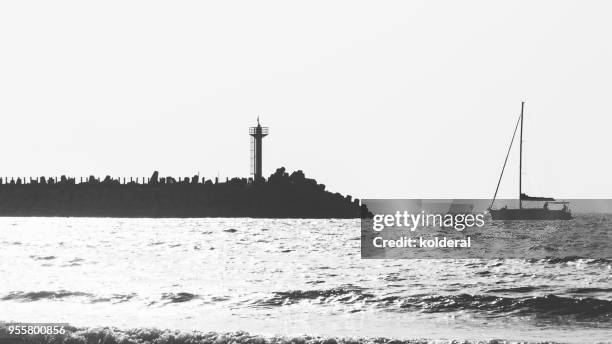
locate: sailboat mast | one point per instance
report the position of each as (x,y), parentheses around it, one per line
(521,160)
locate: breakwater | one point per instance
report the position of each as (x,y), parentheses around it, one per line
(282,195)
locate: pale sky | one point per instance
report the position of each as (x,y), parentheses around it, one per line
(403,99)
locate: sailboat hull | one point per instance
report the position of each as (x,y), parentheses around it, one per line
(529,214)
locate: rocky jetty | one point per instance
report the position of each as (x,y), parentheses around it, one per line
(282,195)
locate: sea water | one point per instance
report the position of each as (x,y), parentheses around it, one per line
(288,277)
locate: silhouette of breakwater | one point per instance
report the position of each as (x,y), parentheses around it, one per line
(281,196)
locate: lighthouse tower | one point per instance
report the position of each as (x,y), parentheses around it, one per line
(257,134)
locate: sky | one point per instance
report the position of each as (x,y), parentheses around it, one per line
(377,99)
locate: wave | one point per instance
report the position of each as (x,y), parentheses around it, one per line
(33,296)
(115,298)
(43,295)
(588,290)
(148,335)
(568,259)
(346,294)
(551,305)
(548,305)
(43,257)
(514,290)
(179,297)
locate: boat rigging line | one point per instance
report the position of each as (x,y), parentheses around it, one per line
(505,161)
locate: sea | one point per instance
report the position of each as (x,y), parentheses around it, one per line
(289,277)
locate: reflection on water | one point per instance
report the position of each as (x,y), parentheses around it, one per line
(280,276)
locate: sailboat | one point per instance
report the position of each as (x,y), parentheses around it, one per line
(527,213)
